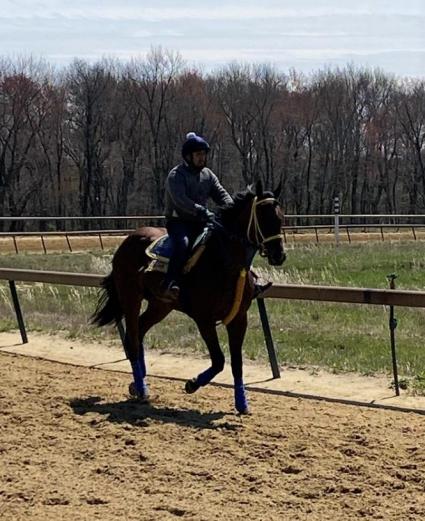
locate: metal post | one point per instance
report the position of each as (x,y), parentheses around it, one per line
(69,244)
(392,325)
(268,338)
(348,235)
(43,244)
(336,212)
(18,311)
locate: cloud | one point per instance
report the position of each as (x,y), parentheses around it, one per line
(163,10)
(301,34)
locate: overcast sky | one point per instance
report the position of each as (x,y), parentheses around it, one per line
(301,34)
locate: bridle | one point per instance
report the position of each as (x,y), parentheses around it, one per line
(254,226)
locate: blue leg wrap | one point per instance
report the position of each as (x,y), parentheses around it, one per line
(139,373)
(142,359)
(241,402)
(206,377)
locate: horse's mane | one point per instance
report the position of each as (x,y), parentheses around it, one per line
(229,213)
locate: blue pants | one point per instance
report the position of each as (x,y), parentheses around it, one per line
(182,235)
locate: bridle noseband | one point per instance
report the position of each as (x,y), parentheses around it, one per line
(259,239)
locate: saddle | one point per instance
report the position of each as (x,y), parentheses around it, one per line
(160,252)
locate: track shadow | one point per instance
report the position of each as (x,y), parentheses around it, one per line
(263,381)
(18,344)
(136,413)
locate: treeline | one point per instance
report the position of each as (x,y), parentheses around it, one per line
(100,139)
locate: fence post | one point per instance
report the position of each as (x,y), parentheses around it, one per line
(392,325)
(268,338)
(336,226)
(69,244)
(18,311)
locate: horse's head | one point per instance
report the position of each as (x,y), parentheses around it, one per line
(265,225)
(256,217)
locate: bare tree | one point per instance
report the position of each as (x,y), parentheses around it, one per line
(411,112)
(90,89)
(154,82)
(23,109)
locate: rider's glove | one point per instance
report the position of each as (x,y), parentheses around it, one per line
(204,214)
(210,215)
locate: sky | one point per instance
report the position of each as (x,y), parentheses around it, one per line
(305,35)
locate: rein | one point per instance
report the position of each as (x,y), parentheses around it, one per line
(259,242)
(260,239)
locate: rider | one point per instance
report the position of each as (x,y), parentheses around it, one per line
(188,187)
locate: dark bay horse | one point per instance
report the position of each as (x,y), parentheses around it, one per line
(219,288)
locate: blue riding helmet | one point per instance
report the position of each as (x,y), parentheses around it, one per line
(194,143)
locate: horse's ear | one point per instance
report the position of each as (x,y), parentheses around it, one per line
(277,191)
(259,188)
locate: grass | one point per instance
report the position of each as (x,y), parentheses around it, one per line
(361,265)
(340,337)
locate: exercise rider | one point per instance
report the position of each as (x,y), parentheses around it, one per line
(188,187)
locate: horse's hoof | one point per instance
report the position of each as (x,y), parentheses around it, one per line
(132,390)
(191,386)
(134,393)
(244,411)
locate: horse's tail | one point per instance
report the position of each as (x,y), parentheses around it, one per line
(108,308)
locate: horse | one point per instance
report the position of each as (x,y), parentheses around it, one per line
(219,288)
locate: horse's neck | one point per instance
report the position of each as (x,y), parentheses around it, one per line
(238,250)
(239,247)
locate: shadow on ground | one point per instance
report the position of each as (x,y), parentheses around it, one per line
(137,414)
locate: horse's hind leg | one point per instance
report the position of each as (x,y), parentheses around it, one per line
(130,299)
(154,313)
(136,328)
(209,334)
(135,356)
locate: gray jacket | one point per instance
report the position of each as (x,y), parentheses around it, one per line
(186,189)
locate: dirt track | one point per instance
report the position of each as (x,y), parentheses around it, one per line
(72,447)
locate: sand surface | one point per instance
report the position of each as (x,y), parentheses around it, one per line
(74,447)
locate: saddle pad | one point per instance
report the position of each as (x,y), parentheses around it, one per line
(160,249)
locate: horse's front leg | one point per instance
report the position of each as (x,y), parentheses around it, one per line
(236,331)
(209,334)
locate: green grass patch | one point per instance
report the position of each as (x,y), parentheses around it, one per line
(339,337)
(358,265)
(81,262)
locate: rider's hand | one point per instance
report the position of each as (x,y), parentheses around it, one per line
(210,215)
(205,214)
